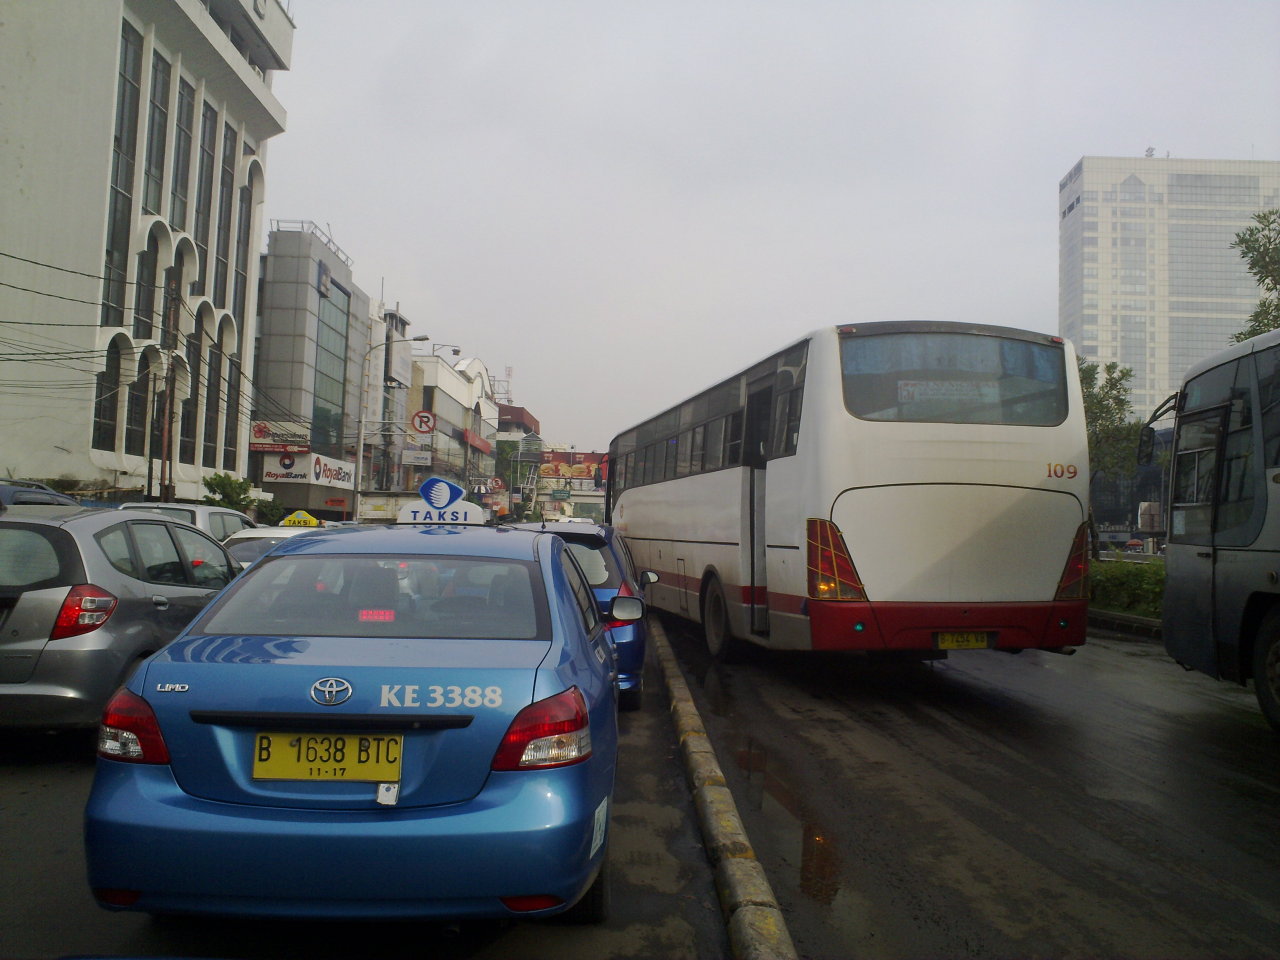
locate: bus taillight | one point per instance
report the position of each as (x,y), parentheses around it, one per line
(831,572)
(1074,582)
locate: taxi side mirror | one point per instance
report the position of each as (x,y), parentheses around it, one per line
(647,577)
(626,609)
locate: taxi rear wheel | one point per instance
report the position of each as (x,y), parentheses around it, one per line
(632,698)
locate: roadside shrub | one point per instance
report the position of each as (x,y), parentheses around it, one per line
(1124,586)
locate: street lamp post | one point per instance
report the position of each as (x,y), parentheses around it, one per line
(364,379)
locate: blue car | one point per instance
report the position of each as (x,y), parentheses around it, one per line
(606,561)
(405,721)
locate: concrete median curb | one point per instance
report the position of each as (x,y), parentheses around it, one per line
(757,930)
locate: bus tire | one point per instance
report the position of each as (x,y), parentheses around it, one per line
(721,643)
(1266,668)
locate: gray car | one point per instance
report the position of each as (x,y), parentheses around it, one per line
(85,595)
(218,522)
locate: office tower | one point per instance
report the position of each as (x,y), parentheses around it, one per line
(1147,275)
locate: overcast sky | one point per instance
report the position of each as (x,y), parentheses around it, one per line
(624,202)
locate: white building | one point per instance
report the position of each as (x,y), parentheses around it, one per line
(1147,274)
(132,153)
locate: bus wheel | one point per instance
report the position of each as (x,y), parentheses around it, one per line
(1266,668)
(721,643)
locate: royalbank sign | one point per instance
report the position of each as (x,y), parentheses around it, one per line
(312,468)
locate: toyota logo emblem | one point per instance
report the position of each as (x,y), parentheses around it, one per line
(330,691)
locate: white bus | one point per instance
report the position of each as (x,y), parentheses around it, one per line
(902,486)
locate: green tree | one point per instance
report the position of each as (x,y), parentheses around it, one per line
(1112,432)
(269,512)
(1259,245)
(226,491)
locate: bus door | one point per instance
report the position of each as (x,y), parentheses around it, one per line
(1188,598)
(755,455)
(1218,498)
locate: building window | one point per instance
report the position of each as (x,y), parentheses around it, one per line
(212,401)
(331,371)
(204,192)
(124,152)
(144,294)
(185,122)
(157,130)
(226,193)
(135,418)
(243,223)
(106,401)
(187,422)
(232,431)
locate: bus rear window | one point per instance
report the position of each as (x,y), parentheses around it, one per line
(953,378)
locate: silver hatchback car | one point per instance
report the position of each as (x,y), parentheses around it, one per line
(85,595)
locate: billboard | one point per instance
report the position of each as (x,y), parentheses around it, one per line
(312,469)
(279,436)
(572,465)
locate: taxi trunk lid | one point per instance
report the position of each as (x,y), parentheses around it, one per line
(242,714)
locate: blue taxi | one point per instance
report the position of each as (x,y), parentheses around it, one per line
(407,721)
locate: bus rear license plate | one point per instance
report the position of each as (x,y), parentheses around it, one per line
(964,641)
(360,757)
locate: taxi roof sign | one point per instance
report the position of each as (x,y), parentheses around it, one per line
(442,503)
(299,518)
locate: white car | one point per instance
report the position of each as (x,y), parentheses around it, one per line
(218,522)
(247,546)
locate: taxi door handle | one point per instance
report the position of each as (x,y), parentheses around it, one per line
(162,603)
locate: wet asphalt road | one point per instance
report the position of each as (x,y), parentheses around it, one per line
(1102,805)
(664,900)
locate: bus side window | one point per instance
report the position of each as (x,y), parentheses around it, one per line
(1239,467)
(715,444)
(699,449)
(1268,362)
(1193,477)
(786,428)
(733,439)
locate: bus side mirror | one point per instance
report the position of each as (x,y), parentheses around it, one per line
(1146,445)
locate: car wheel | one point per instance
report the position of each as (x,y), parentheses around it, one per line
(1266,668)
(631,698)
(721,643)
(594,906)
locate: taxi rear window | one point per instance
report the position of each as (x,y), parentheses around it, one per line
(596,563)
(370,596)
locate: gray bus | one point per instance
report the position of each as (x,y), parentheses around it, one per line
(1221,611)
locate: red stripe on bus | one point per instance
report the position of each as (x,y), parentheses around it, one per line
(912,626)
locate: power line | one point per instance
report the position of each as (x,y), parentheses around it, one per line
(198,379)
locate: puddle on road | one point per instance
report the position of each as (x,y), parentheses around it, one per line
(797,840)
(800,840)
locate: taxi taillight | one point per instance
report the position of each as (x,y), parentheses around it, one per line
(832,575)
(554,732)
(1074,582)
(130,731)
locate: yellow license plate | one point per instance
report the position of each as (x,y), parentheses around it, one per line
(373,757)
(963,641)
